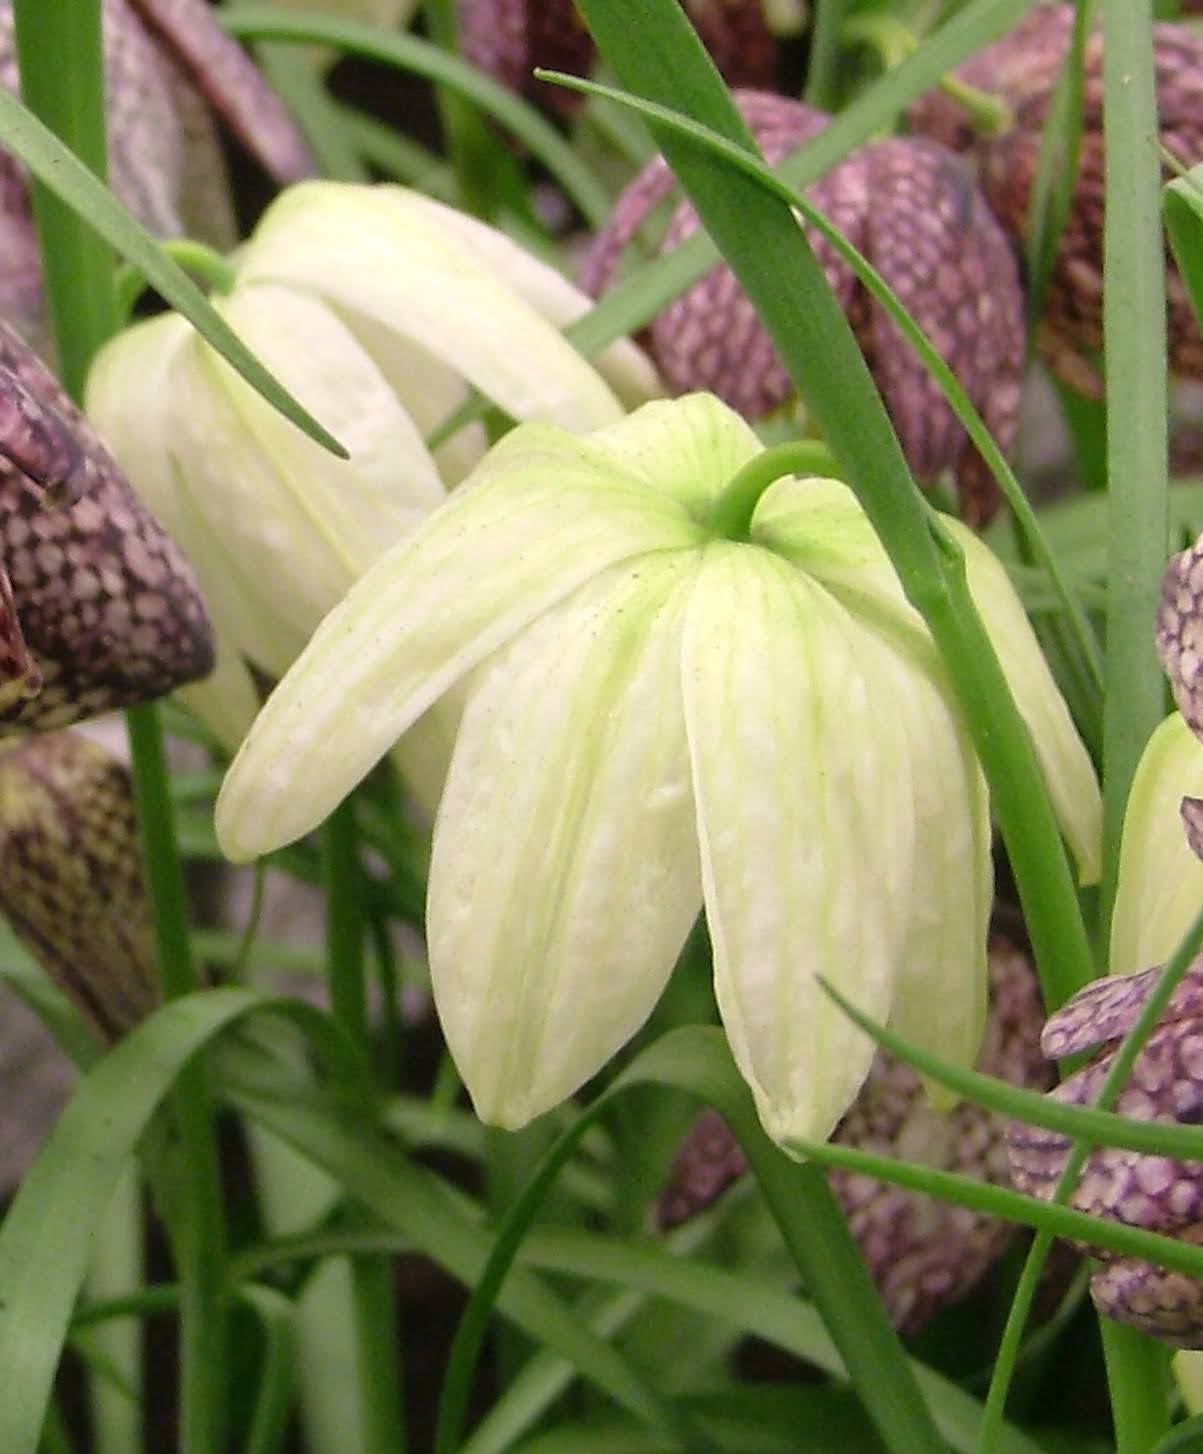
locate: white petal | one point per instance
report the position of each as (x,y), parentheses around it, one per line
(820,527)
(544,520)
(564,876)
(940,1002)
(624,366)
(1160,887)
(1068,770)
(804,830)
(689,448)
(376,258)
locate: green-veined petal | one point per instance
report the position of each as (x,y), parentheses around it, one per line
(1160,887)
(688,448)
(940,1001)
(542,520)
(803,825)
(564,876)
(370,257)
(819,526)
(623,364)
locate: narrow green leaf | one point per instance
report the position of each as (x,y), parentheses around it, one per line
(66,176)
(46,1235)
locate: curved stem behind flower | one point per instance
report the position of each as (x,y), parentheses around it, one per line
(731,517)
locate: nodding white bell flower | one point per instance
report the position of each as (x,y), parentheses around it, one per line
(380,310)
(669,707)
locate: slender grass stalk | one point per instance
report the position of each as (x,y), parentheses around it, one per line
(378,1353)
(61,58)
(1135,345)
(821,78)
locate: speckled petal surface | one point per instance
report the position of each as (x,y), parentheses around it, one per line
(71,876)
(1180,632)
(108,607)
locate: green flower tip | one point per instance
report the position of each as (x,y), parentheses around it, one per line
(660,720)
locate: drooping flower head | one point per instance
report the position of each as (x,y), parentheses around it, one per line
(380,310)
(665,712)
(911,207)
(922,1253)
(170,69)
(1158,1193)
(71,879)
(98,608)
(1022,68)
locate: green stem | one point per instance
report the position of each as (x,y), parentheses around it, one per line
(894,41)
(62,81)
(373,1297)
(731,517)
(198,1221)
(205,263)
(1134,333)
(823,68)
(1138,1377)
(61,59)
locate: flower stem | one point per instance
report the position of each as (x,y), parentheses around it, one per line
(205,263)
(894,41)
(373,1298)
(61,60)
(731,517)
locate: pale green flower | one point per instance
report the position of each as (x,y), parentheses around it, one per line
(1160,883)
(379,310)
(661,717)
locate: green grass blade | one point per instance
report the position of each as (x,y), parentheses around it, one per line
(46,1236)
(1135,347)
(276,1316)
(69,179)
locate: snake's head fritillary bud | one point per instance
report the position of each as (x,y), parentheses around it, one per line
(922,1253)
(1157,1193)
(1180,632)
(665,688)
(99,609)
(510,38)
(911,207)
(71,876)
(1022,68)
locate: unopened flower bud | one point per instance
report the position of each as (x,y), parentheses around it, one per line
(1022,69)
(71,876)
(922,1253)
(1157,1193)
(510,38)
(98,609)
(912,209)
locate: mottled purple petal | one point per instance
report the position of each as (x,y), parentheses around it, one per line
(71,876)
(1192,821)
(1180,632)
